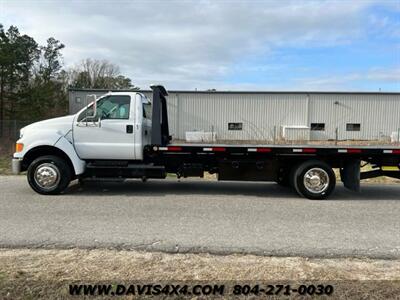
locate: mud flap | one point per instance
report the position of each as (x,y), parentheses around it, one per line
(350,175)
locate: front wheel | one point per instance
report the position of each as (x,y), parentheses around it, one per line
(314,180)
(49,175)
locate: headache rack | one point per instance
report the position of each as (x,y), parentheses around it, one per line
(159,128)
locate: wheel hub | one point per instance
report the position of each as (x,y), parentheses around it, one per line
(47,176)
(316,180)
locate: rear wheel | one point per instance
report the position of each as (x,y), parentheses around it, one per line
(314,179)
(49,175)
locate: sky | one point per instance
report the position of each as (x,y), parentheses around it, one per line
(346,45)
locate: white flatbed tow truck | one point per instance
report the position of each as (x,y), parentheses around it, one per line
(124,135)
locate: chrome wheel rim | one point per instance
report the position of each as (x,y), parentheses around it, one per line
(47,176)
(316,180)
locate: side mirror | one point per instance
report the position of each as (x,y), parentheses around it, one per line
(90,99)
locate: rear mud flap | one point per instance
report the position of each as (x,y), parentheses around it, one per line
(350,175)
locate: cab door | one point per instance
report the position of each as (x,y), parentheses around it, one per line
(110,134)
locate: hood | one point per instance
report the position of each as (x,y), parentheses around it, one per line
(62,125)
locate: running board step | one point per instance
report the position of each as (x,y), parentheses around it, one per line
(108,163)
(127,171)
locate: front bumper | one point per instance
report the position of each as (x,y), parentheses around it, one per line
(16,165)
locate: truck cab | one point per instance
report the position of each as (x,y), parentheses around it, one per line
(117,129)
(113,128)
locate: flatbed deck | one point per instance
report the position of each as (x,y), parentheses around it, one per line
(281,149)
(287,145)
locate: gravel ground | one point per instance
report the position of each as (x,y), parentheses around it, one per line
(203,216)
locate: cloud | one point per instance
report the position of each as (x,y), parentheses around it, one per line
(377,74)
(374,77)
(185,44)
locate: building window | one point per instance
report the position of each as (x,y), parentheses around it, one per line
(77,99)
(235,126)
(318,126)
(353,127)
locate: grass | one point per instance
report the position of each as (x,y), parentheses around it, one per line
(5,165)
(32,274)
(6,151)
(378,180)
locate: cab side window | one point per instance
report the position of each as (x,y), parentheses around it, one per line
(109,108)
(147,110)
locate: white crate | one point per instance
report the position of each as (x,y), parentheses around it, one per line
(200,136)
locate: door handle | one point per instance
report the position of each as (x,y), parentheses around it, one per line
(129,128)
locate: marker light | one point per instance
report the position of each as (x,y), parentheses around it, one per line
(19,147)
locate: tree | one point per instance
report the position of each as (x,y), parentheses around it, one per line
(51,60)
(31,83)
(98,74)
(18,54)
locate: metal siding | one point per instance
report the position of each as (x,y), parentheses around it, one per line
(75,107)
(377,114)
(259,113)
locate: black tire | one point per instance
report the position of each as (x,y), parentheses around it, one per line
(54,164)
(307,167)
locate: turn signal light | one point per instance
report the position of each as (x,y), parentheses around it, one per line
(19,147)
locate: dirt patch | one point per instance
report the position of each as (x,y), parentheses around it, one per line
(26,274)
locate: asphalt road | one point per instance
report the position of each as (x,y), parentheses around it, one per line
(202,216)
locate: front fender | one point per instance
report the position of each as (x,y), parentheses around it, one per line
(41,138)
(64,145)
(53,139)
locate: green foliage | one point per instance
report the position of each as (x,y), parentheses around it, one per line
(18,54)
(33,83)
(51,64)
(29,88)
